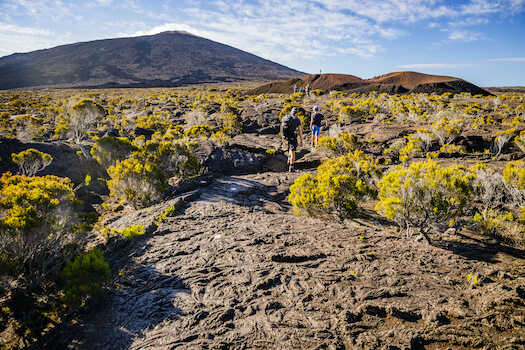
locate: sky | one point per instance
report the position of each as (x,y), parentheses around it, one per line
(481,41)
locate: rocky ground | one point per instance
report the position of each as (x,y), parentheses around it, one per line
(236,269)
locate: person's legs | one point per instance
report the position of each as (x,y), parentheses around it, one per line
(315,135)
(291,154)
(291,161)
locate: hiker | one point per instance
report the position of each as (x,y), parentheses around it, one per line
(295,89)
(308,89)
(315,125)
(289,127)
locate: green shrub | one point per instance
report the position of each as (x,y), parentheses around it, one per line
(339,145)
(108,150)
(37,222)
(155,122)
(31,161)
(447,129)
(137,182)
(132,231)
(7,127)
(520,141)
(230,124)
(348,114)
(220,138)
(174,158)
(198,131)
(425,195)
(168,212)
(514,174)
(340,184)
(78,121)
(84,277)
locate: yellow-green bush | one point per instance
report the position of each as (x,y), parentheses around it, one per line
(230,124)
(198,131)
(29,128)
(348,114)
(220,138)
(129,232)
(339,145)
(449,149)
(340,184)
(447,129)
(108,150)
(412,147)
(7,127)
(137,182)
(37,220)
(174,158)
(425,194)
(156,122)
(296,97)
(31,161)
(514,174)
(174,133)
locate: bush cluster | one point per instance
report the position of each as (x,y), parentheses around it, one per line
(340,184)
(38,223)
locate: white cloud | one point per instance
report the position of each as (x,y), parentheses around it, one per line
(167,27)
(23,39)
(288,31)
(481,7)
(47,10)
(464,36)
(391,10)
(509,59)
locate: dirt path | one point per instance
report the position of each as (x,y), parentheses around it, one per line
(235,269)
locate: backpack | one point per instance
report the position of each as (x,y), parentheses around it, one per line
(288,127)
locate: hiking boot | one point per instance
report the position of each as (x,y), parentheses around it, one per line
(291,168)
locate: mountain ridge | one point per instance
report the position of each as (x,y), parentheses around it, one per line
(391,83)
(167,59)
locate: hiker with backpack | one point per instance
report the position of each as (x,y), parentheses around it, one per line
(315,125)
(290,127)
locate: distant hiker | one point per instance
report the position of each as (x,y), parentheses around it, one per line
(295,89)
(315,125)
(307,89)
(289,126)
(301,90)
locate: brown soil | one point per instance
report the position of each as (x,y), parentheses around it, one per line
(410,80)
(392,83)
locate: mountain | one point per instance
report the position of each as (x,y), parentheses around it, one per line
(161,60)
(392,83)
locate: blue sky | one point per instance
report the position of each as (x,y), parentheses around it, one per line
(481,41)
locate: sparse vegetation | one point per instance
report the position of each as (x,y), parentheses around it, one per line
(401,152)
